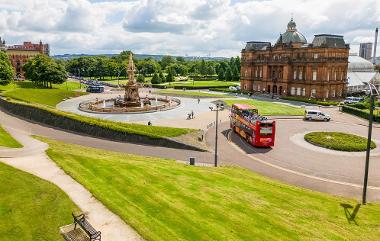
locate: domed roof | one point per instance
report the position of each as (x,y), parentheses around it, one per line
(359,64)
(292,35)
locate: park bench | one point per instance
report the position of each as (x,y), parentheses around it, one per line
(85,231)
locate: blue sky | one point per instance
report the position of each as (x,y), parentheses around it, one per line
(180,27)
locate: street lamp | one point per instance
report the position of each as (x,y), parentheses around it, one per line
(219,107)
(373,92)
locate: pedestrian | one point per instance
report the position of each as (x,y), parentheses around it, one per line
(149,123)
(192,114)
(199,100)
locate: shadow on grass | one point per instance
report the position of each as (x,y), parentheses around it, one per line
(350,215)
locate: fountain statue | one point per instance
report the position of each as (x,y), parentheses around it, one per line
(131,103)
(131,96)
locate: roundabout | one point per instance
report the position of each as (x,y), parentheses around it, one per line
(339,141)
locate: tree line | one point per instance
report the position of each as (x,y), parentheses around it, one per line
(163,70)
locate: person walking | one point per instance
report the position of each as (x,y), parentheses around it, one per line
(149,123)
(199,100)
(192,114)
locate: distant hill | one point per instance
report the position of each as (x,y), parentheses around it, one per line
(137,56)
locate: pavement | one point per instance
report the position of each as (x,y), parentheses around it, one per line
(32,159)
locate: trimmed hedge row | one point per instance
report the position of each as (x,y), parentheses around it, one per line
(359,113)
(90,126)
(311,101)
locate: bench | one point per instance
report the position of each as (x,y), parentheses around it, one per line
(86,226)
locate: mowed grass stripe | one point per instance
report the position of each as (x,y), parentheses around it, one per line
(165,200)
(6,140)
(270,108)
(31,208)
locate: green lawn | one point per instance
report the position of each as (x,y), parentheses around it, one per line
(30,93)
(188,93)
(338,141)
(208,83)
(165,200)
(7,140)
(31,208)
(270,108)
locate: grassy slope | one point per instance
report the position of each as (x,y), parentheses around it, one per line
(7,140)
(191,94)
(338,141)
(51,97)
(31,208)
(164,200)
(269,108)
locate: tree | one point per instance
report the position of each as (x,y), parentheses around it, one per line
(221,75)
(45,71)
(162,77)
(6,69)
(156,79)
(228,74)
(235,74)
(203,67)
(140,78)
(166,61)
(170,77)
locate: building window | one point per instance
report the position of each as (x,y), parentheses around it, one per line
(327,94)
(295,75)
(314,75)
(340,92)
(334,75)
(293,91)
(298,91)
(300,75)
(303,91)
(258,87)
(333,93)
(328,75)
(245,86)
(261,72)
(313,93)
(315,56)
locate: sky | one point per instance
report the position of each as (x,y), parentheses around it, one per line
(180,27)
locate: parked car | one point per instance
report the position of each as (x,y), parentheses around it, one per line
(232,88)
(316,115)
(352,100)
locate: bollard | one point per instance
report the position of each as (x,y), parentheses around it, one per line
(192,161)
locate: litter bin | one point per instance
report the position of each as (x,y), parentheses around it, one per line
(192,161)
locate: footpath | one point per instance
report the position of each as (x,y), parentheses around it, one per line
(33,159)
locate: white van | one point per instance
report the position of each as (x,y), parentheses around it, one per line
(316,115)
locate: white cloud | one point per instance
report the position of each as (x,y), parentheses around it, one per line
(194,27)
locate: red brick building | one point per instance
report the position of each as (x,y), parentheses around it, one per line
(19,54)
(293,67)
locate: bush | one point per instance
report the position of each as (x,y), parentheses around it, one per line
(338,141)
(311,101)
(360,105)
(360,113)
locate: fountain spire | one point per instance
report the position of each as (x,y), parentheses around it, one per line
(131,70)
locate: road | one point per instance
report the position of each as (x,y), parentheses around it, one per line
(288,161)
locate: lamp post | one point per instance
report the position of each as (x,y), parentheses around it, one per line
(373,92)
(219,107)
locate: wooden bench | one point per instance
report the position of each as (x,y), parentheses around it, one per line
(86,226)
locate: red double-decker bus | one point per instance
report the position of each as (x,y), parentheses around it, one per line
(255,129)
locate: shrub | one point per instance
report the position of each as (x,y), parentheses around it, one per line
(311,101)
(360,113)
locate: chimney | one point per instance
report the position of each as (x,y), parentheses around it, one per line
(374,49)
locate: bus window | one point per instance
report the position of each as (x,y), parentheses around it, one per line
(266,129)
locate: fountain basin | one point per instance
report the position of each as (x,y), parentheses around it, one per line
(108,106)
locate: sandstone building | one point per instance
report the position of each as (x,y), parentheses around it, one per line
(19,54)
(293,67)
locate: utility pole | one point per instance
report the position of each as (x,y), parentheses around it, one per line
(219,107)
(373,93)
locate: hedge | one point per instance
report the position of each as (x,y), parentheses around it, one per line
(311,101)
(359,113)
(115,131)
